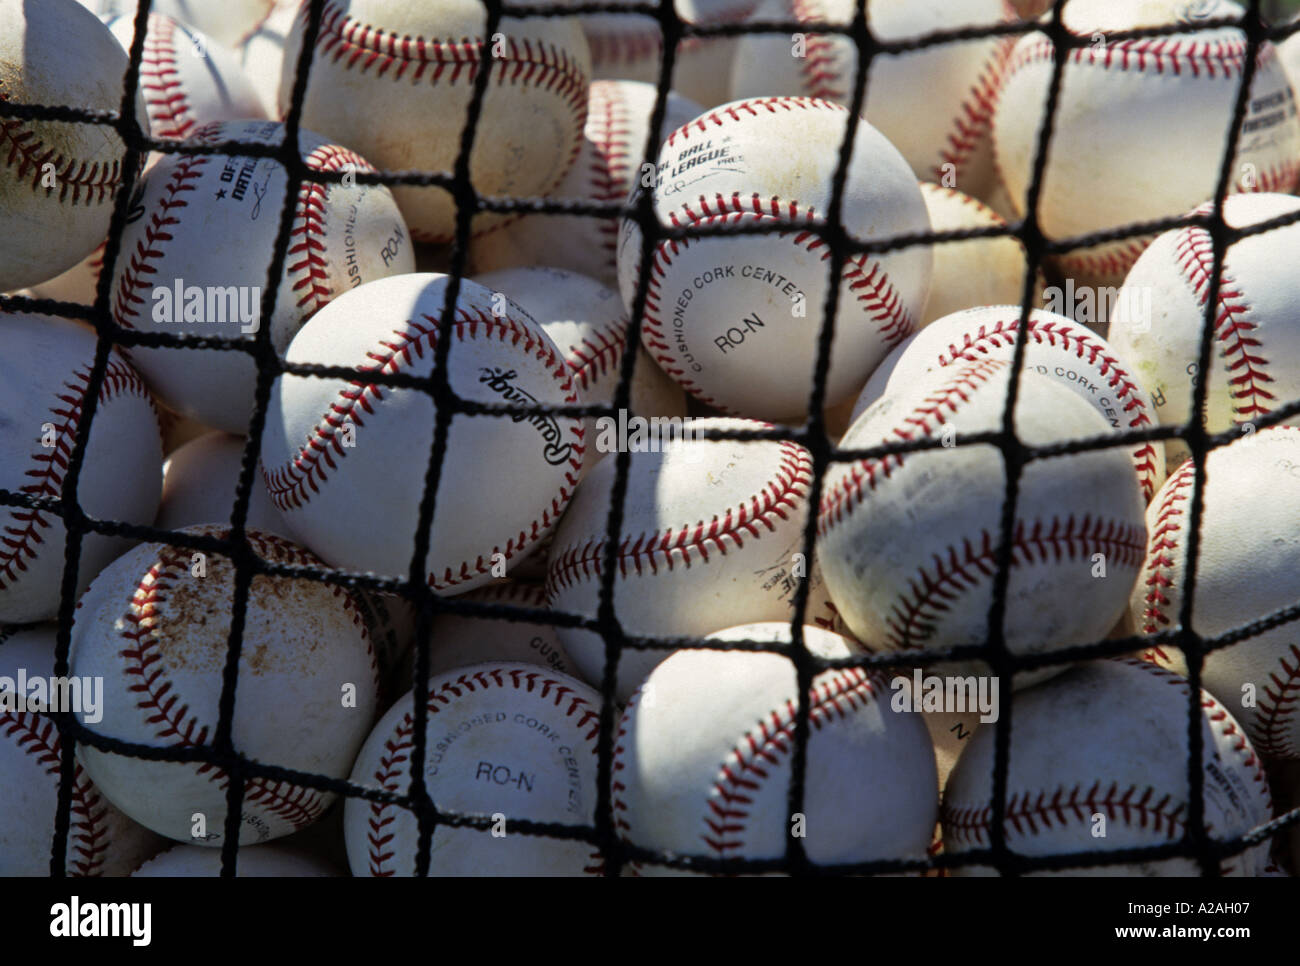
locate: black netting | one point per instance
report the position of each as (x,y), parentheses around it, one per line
(223,752)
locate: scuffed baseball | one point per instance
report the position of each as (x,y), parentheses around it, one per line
(703,756)
(154,626)
(1097,763)
(736,320)
(1141,124)
(1247,546)
(1057,348)
(1254,353)
(909,543)
(506,741)
(609,165)
(934,104)
(196,261)
(252,862)
(345,461)
(58,181)
(409,67)
(588,324)
(101,840)
(45,370)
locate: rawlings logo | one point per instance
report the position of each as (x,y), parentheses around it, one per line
(499,380)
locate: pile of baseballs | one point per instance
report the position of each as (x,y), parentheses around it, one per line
(652,405)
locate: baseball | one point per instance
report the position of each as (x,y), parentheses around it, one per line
(58,181)
(227,23)
(251,861)
(934,104)
(45,371)
(505,742)
(909,543)
(327,441)
(1066,352)
(1255,352)
(1098,763)
(101,840)
(170,277)
(199,486)
(736,320)
(609,165)
(711,538)
(980,271)
(187,81)
(630,47)
(1141,125)
(155,625)
(460,640)
(588,324)
(405,70)
(702,761)
(261,54)
(1245,546)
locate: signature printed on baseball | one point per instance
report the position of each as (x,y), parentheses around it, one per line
(500,381)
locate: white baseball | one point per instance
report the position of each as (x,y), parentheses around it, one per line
(405,70)
(609,164)
(253,861)
(1247,549)
(1106,742)
(460,640)
(1062,350)
(507,741)
(1255,351)
(934,104)
(155,626)
(909,543)
(195,261)
(227,22)
(101,840)
(345,460)
(980,271)
(57,180)
(736,320)
(630,47)
(1141,125)
(45,371)
(703,756)
(199,486)
(261,54)
(588,324)
(187,81)
(710,536)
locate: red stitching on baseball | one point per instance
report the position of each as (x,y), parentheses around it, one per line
(839,500)
(394,764)
(754,107)
(88,836)
(640,39)
(759,753)
(166,99)
(1160,55)
(305,257)
(1163,545)
(21,538)
(1002,334)
(22,149)
(1241,348)
(292,484)
(163,707)
(678,546)
(822,74)
(974,120)
(960,569)
(129,299)
(608,130)
(1277,707)
(864,277)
